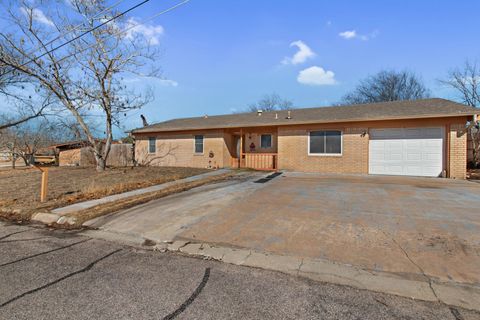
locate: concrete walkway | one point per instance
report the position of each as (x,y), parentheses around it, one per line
(92,203)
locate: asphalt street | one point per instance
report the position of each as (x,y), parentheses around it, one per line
(55,274)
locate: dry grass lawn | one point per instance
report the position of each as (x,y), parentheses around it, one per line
(473,174)
(20,188)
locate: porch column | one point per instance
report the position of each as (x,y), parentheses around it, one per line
(241,149)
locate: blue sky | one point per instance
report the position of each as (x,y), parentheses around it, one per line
(224,55)
(221,55)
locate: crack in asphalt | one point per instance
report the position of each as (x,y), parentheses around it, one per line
(42,253)
(85,269)
(300,266)
(194,295)
(20,240)
(456,313)
(415,264)
(11,234)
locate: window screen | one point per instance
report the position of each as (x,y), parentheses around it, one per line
(325,142)
(152,145)
(199,144)
(266,141)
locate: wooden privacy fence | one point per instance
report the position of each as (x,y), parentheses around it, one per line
(257,161)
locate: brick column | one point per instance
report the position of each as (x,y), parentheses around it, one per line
(458,151)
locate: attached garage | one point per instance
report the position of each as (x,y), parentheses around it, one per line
(407,151)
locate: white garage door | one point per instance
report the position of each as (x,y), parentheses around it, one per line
(406,151)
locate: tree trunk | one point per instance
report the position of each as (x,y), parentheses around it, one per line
(101,163)
(475,136)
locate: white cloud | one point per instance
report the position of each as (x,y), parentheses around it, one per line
(348,34)
(303,54)
(168,82)
(37,15)
(151,33)
(162,82)
(352,34)
(316,76)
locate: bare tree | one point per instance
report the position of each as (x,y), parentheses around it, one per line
(165,153)
(84,76)
(271,102)
(465,81)
(25,108)
(23,141)
(387,85)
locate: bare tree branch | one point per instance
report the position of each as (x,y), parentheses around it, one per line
(271,102)
(387,86)
(465,81)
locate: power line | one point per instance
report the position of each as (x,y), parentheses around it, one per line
(62,35)
(83,34)
(133,26)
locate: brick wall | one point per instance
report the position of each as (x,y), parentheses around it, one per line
(177,149)
(458,151)
(293,151)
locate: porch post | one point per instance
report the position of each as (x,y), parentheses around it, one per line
(241,149)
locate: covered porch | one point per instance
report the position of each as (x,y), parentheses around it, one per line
(253,148)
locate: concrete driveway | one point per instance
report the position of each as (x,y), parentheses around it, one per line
(411,227)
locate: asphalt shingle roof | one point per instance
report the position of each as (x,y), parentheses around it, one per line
(426,108)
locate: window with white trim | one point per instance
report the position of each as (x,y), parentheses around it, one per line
(266,141)
(325,142)
(199,144)
(152,145)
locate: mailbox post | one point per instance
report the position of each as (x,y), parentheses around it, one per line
(44,186)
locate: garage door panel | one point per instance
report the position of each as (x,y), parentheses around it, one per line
(409,151)
(414,170)
(414,156)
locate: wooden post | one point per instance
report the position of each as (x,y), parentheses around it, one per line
(241,149)
(44,186)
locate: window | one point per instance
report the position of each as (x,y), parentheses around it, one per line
(325,142)
(199,144)
(266,141)
(152,145)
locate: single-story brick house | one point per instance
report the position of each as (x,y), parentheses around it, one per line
(418,138)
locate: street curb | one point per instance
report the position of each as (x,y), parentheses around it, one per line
(452,294)
(51,218)
(465,296)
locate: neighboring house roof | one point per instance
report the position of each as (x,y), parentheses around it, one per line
(77,144)
(426,108)
(71,145)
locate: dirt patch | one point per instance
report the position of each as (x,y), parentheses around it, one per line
(20,189)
